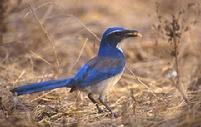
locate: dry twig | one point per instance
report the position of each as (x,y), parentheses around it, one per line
(46,33)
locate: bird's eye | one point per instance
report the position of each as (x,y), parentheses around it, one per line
(117,33)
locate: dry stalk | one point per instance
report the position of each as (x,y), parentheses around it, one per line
(82,24)
(80,53)
(141,82)
(133,101)
(46,34)
(40,57)
(172,27)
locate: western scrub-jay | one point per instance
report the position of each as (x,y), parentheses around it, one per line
(97,75)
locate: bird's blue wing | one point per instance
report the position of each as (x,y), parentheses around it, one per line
(98,69)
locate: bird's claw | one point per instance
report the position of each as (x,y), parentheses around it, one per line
(100,110)
(114,115)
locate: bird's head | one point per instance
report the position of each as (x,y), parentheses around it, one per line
(112,36)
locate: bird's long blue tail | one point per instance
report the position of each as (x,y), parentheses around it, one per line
(42,86)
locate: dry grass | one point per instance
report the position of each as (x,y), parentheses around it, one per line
(50,39)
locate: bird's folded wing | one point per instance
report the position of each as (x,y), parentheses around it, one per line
(98,69)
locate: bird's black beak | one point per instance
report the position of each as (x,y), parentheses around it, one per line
(132,33)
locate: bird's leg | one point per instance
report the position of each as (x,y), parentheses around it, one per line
(90,96)
(102,101)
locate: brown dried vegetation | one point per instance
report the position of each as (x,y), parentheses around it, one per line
(47,39)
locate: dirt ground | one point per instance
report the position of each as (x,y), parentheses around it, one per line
(50,39)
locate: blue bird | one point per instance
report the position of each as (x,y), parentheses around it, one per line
(97,75)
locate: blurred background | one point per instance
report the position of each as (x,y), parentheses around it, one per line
(48,39)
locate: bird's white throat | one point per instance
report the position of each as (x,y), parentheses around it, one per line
(119,47)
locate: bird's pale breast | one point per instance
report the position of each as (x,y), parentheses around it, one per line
(103,86)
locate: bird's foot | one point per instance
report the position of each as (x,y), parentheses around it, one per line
(99,109)
(114,114)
